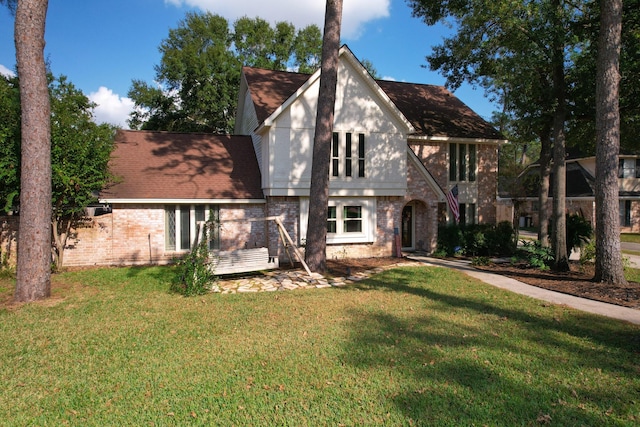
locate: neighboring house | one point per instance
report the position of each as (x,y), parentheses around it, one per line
(397,149)
(580,193)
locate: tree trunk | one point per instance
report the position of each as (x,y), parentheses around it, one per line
(545,174)
(316,249)
(34,245)
(609,267)
(561,258)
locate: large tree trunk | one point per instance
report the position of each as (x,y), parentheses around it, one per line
(316,249)
(561,258)
(545,174)
(609,267)
(34,244)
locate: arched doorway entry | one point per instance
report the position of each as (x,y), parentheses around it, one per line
(413,226)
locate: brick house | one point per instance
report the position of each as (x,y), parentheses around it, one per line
(397,149)
(580,191)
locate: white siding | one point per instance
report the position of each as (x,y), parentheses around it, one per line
(359,109)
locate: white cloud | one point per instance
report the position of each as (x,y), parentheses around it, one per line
(6,72)
(111,108)
(301,13)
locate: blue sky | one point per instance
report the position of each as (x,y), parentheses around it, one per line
(103,45)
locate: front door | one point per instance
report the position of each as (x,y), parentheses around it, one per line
(407,228)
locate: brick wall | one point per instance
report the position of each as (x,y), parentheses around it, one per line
(487,183)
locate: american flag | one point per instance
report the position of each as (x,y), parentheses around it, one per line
(452,199)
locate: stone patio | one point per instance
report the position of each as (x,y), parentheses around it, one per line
(289,280)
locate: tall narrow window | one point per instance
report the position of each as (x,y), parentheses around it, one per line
(347,155)
(462,162)
(335,155)
(361,155)
(453,162)
(214,231)
(332,219)
(170,227)
(185,227)
(472,162)
(625,213)
(463,159)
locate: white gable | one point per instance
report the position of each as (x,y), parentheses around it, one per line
(361,108)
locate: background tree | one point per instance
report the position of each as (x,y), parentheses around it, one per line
(33,279)
(609,268)
(80,151)
(316,253)
(9,142)
(521,51)
(197,80)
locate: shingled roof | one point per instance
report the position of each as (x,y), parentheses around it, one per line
(432,110)
(165,165)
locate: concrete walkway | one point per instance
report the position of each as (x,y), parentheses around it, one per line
(604,309)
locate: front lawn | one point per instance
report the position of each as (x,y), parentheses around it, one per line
(411,346)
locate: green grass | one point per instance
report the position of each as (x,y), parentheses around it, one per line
(630,237)
(411,346)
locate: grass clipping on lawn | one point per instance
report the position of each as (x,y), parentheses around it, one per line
(410,346)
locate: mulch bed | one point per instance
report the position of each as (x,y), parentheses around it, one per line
(576,282)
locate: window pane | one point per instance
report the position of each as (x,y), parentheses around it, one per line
(214,227)
(170,227)
(199,213)
(185,230)
(462,161)
(348,155)
(453,158)
(361,155)
(331,219)
(352,219)
(472,162)
(335,156)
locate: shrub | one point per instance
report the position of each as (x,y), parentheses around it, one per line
(579,232)
(450,239)
(536,255)
(477,239)
(588,253)
(194,277)
(481,260)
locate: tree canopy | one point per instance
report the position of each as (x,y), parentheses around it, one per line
(80,151)
(197,80)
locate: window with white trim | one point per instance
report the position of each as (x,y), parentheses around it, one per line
(462,162)
(347,155)
(181,225)
(348,220)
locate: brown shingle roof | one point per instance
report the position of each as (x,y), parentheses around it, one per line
(269,89)
(435,111)
(432,110)
(164,165)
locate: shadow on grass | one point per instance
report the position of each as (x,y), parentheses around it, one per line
(477,358)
